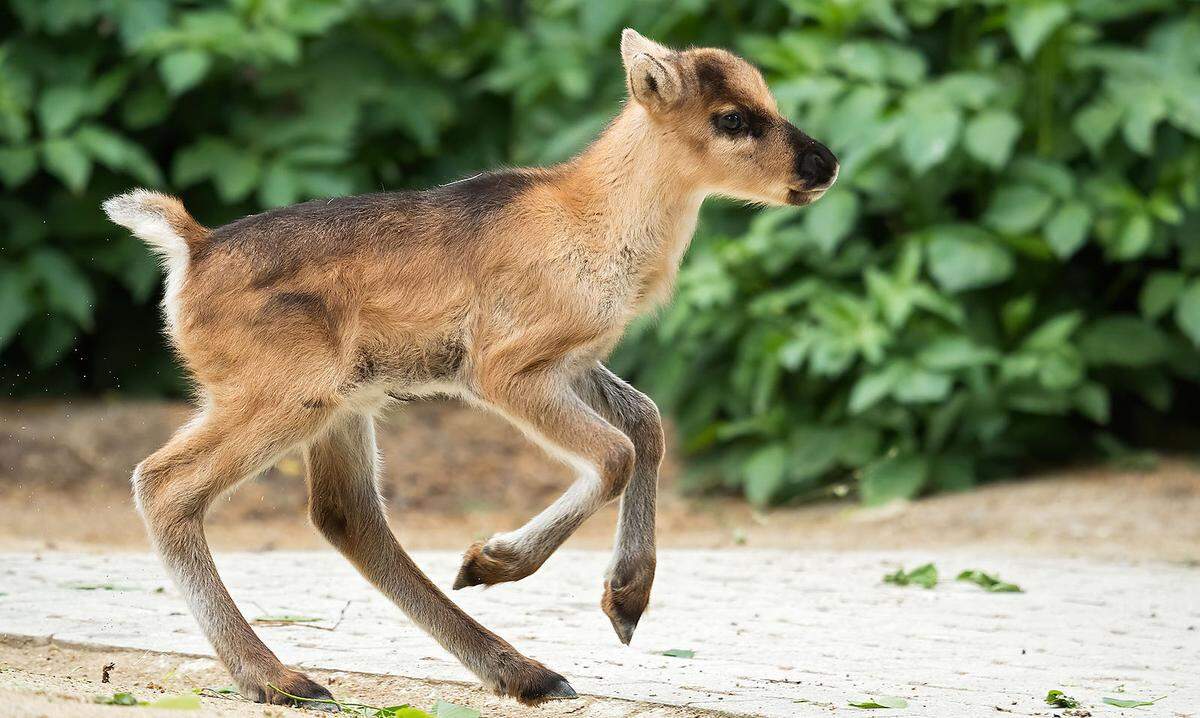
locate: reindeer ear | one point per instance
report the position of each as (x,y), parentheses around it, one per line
(653,79)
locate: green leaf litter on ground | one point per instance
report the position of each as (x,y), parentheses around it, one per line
(1131,702)
(1059,699)
(187,702)
(881,702)
(680,653)
(118,699)
(83,586)
(442,709)
(925,575)
(988,582)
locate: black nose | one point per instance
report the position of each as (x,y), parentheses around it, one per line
(816,165)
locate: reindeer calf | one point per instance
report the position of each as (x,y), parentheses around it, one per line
(505,289)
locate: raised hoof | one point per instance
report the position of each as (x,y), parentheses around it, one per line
(624,606)
(485,565)
(623,626)
(298,690)
(468,573)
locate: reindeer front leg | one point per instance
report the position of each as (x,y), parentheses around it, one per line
(630,574)
(546,405)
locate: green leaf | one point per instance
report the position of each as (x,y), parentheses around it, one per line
(1131,702)
(990,137)
(988,582)
(895,477)
(66,289)
(179,703)
(925,576)
(118,699)
(60,106)
(1030,23)
(464,11)
(67,160)
(1123,340)
(871,388)
(1091,399)
(921,386)
(442,709)
(955,352)
(1017,209)
(280,186)
(679,653)
(963,257)
(17,164)
(831,219)
(1140,120)
(237,176)
(1054,332)
(15,307)
(929,135)
(183,70)
(105,146)
(881,702)
(1096,123)
(1187,311)
(1160,293)
(764,474)
(1068,228)
(1135,237)
(1059,699)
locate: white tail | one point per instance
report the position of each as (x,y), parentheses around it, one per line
(162,222)
(142,212)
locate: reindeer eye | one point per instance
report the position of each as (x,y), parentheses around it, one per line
(730,122)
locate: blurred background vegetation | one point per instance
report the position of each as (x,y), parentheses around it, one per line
(1008,271)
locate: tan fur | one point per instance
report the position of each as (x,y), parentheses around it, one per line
(505,290)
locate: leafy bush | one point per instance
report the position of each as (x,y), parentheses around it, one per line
(1011,252)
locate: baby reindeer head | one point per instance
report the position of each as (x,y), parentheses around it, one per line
(719,112)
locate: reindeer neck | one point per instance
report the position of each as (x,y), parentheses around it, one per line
(634,198)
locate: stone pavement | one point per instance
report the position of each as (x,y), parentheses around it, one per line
(775,633)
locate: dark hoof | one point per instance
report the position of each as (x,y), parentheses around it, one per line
(300,691)
(624,627)
(468,573)
(526,680)
(562,689)
(548,686)
(624,605)
(485,565)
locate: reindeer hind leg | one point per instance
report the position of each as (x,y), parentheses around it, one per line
(345,506)
(174,488)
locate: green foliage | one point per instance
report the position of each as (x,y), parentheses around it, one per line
(1009,256)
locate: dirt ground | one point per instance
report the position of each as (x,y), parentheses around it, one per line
(54,680)
(453,475)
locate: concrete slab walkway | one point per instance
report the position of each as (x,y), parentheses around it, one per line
(775,633)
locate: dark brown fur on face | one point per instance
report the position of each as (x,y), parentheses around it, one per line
(506,290)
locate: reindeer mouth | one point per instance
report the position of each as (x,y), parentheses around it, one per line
(801,197)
